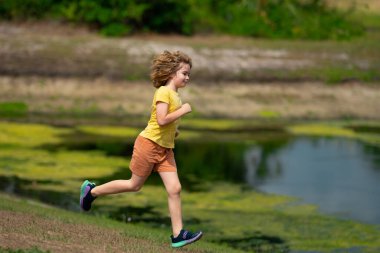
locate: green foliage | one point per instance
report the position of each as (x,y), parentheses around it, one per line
(277,19)
(115,29)
(305,19)
(29,9)
(168,16)
(114,18)
(268,114)
(13,109)
(336,75)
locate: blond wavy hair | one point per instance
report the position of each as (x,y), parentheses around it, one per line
(165,65)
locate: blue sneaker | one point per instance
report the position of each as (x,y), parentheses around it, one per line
(185,237)
(85,195)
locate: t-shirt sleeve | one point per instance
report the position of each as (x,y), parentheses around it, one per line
(162,95)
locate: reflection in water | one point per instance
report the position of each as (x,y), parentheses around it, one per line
(260,165)
(252,159)
(261,161)
(208,162)
(340,176)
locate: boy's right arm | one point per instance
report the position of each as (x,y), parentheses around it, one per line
(164,118)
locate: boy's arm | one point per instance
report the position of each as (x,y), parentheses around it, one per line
(164,118)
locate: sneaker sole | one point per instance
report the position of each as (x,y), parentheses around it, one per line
(183,243)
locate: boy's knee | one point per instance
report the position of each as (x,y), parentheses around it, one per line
(175,189)
(136,187)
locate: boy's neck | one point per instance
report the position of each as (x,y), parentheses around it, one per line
(171,86)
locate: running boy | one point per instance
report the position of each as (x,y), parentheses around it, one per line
(153,148)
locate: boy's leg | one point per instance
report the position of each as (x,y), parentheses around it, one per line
(173,188)
(118,186)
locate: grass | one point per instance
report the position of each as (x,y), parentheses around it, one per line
(59,228)
(338,129)
(13,109)
(229,214)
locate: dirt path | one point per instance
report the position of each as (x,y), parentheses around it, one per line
(22,230)
(307,100)
(55,50)
(62,50)
(25,231)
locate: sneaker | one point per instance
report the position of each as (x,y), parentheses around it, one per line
(85,195)
(185,237)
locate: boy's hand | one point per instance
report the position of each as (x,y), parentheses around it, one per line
(186,108)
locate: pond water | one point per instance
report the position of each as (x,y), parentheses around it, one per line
(341,176)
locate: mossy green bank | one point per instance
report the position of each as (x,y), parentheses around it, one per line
(231,215)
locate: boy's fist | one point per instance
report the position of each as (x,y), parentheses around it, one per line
(186,108)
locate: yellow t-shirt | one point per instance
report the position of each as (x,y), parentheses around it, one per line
(163,135)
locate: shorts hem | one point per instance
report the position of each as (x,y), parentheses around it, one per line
(138,173)
(169,169)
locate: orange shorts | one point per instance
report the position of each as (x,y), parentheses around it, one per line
(148,156)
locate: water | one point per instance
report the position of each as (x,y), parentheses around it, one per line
(341,176)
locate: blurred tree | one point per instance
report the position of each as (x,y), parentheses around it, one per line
(166,16)
(305,19)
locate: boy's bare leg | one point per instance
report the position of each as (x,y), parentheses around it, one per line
(173,188)
(118,186)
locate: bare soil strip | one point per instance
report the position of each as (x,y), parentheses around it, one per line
(25,231)
(307,100)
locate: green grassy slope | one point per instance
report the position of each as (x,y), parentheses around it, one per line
(36,227)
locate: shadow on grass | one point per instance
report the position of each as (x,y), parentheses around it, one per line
(146,214)
(258,243)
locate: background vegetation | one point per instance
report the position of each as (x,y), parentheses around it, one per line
(306,19)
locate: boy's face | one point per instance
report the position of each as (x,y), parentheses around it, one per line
(182,76)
